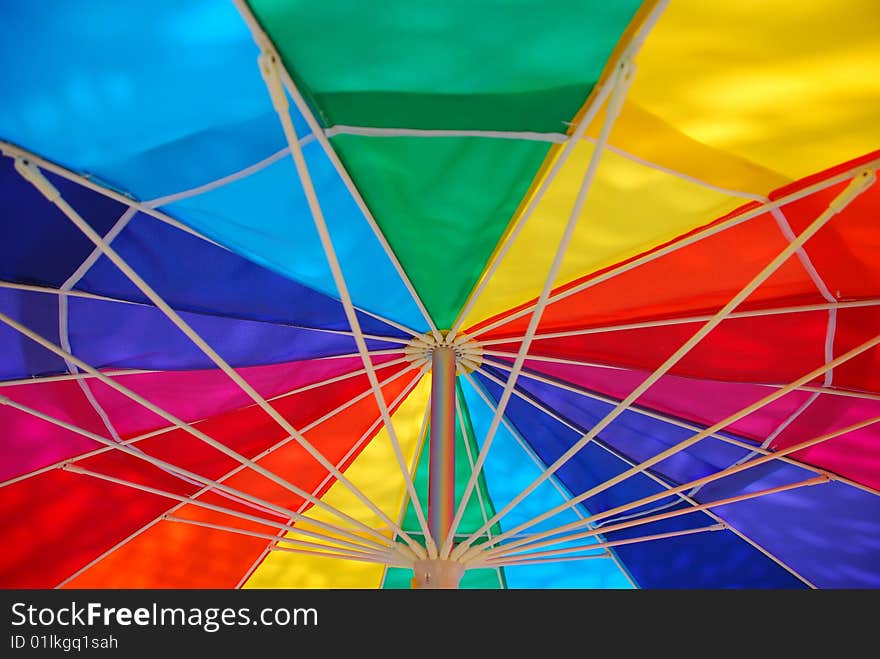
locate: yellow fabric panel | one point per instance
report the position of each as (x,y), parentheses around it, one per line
(376,473)
(790,85)
(630,208)
(646,136)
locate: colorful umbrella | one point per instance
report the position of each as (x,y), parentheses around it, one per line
(489,294)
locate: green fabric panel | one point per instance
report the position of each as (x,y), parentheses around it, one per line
(473,515)
(484,578)
(442,203)
(466,64)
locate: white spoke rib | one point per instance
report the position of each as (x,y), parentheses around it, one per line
(359,544)
(686,242)
(261,504)
(268,48)
(34,176)
(621,81)
(403,394)
(599,96)
(663,322)
(198,434)
(515,547)
(859,184)
(663,483)
(556,555)
(692,484)
(269,65)
(868,345)
(320,548)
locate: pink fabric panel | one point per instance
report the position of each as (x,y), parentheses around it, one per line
(194,395)
(701,401)
(855,455)
(28,443)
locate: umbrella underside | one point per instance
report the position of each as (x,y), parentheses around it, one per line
(649,245)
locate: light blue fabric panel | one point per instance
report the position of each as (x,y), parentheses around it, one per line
(266,218)
(508,471)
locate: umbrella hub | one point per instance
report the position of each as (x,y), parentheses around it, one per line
(437,574)
(468,351)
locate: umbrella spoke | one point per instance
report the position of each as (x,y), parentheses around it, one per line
(269,67)
(621,80)
(417,455)
(467,447)
(859,184)
(14,151)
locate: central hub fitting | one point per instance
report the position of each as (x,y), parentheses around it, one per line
(468,352)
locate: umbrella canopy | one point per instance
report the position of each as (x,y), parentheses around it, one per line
(522,294)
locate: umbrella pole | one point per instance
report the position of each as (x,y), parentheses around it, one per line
(437,573)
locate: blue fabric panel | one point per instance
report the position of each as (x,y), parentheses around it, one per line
(117,335)
(640,437)
(509,470)
(711,559)
(40,245)
(20,357)
(194,275)
(266,217)
(704,560)
(152,96)
(829,533)
(590,466)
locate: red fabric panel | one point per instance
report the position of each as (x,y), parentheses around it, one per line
(763,350)
(176,555)
(56,522)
